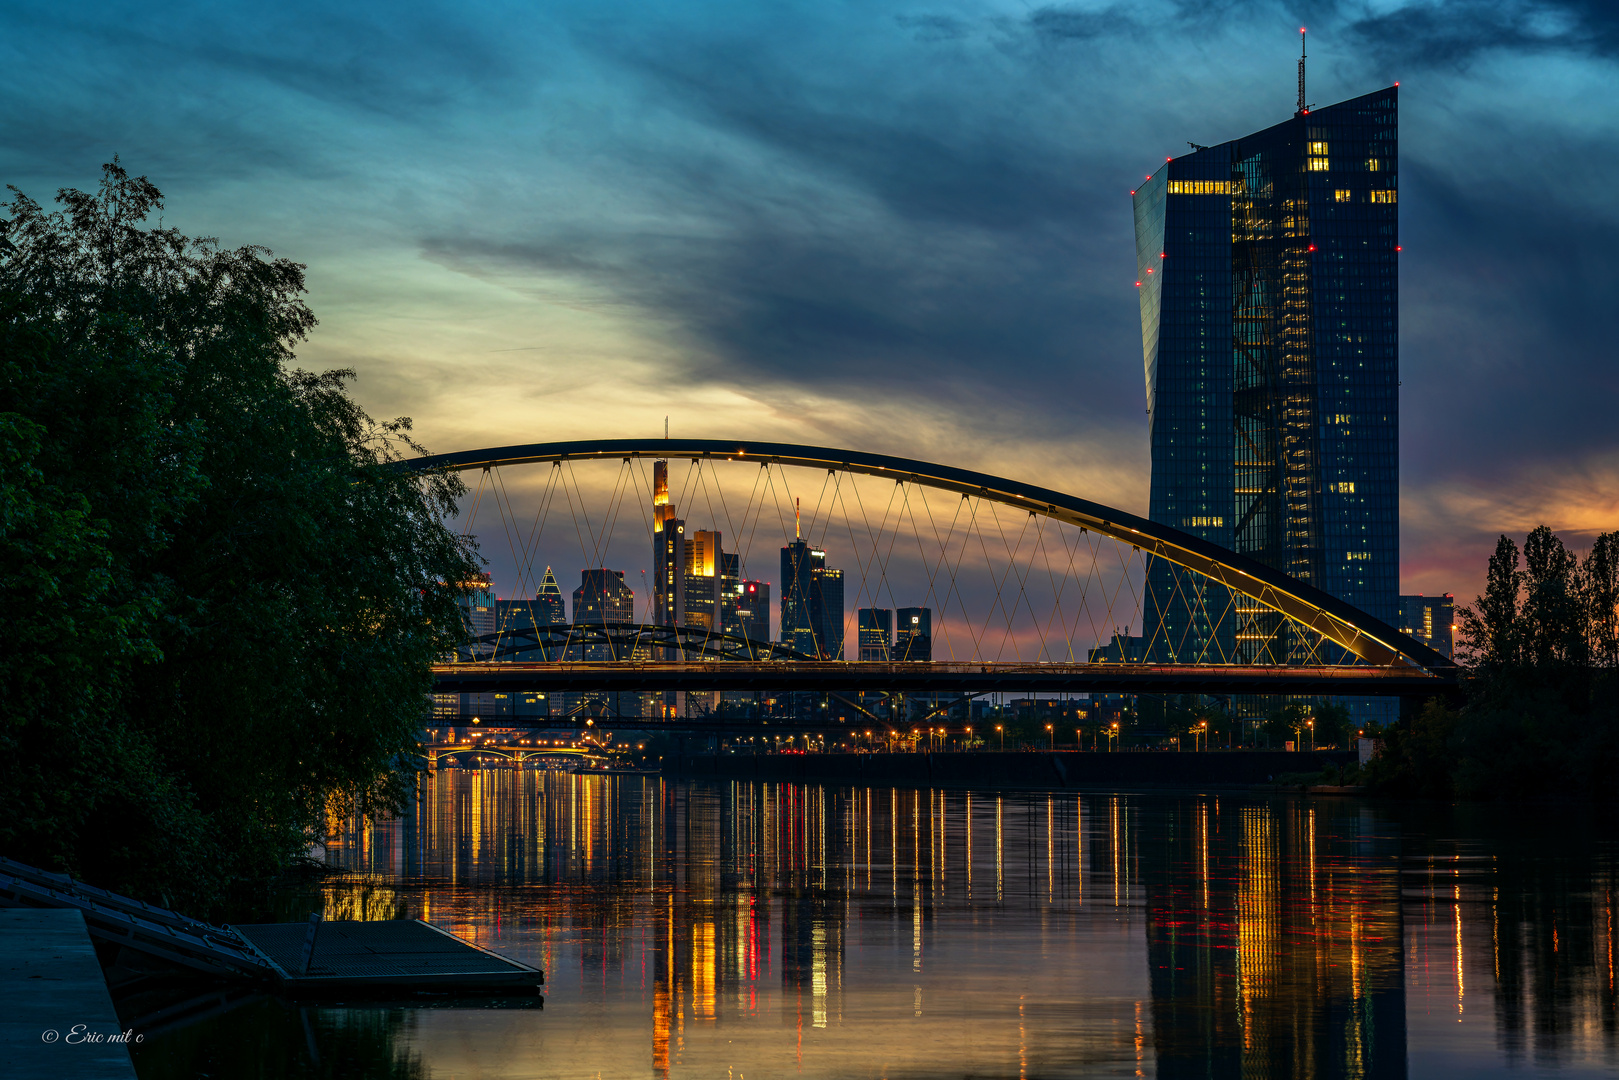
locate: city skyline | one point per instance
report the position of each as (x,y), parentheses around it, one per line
(926,251)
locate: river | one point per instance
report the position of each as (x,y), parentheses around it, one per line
(747,930)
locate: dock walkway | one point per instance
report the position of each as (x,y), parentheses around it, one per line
(56,1017)
(389,959)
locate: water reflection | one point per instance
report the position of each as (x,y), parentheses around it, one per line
(764,929)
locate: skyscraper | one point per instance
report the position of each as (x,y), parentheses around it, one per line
(811,601)
(602,599)
(753,610)
(1431,620)
(668,554)
(1268,278)
(549,609)
(876,629)
(913,636)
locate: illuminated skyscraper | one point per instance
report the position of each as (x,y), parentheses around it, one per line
(876,629)
(811,601)
(1431,620)
(668,553)
(1270,334)
(913,636)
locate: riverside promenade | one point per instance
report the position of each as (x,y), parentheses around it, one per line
(1062,769)
(56,1017)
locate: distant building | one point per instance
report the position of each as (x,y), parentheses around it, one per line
(478,611)
(753,610)
(1123,649)
(811,602)
(668,554)
(549,608)
(602,598)
(875,627)
(1431,620)
(913,634)
(702,580)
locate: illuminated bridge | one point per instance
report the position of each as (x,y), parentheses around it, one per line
(1026,589)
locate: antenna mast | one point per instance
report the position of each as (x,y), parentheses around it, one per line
(797,535)
(1303,108)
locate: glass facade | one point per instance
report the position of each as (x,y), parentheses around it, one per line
(1270,339)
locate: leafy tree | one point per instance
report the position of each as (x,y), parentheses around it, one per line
(1542,702)
(227,595)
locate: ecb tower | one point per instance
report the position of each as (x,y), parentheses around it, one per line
(1270,333)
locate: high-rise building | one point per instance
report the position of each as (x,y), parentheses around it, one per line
(668,554)
(518,621)
(549,608)
(811,602)
(602,598)
(913,634)
(875,627)
(703,581)
(1270,333)
(753,610)
(1431,620)
(478,609)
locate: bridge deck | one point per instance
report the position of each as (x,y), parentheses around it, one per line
(935,677)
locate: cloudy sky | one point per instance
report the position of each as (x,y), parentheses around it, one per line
(902,227)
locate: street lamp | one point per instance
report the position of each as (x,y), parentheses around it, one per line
(1052,735)
(1002,730)
(969,742)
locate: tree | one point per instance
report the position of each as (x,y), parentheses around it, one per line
(275,588)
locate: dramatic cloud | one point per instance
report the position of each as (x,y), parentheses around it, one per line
(903,227)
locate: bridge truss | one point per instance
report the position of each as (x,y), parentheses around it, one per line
(1057,576)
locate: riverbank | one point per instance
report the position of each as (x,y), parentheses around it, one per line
(1070,769)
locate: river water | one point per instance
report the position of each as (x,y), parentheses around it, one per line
(746,930)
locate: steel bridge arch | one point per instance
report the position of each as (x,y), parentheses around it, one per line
(1366,637)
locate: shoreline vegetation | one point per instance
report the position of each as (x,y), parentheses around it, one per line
(220,600)
(1540,709)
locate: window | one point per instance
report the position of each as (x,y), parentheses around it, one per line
(1318,148)
(1384,196)
(1200,187)
(1318,164)
(1346,487)
(1202,522)
(1374,164)
(1340,196)
(1358,556)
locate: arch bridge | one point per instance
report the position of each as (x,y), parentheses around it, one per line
(1345,650)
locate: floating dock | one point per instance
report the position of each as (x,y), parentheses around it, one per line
(389,959)
(364,958)
(56,1018)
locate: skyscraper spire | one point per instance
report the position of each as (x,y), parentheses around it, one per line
(1303,108)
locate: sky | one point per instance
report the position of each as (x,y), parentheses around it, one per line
(897,227)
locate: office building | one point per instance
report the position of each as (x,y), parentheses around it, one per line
(549,607)
(811,602)
(876,632)
(913,634)
(1431,620)
(668,553)
(703,582)
(602,599)
(752,610)
(1270,335)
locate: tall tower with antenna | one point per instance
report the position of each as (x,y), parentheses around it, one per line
(1268,273)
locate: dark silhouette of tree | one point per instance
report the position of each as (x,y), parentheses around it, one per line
(221,597)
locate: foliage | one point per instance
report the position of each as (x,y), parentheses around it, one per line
(222,597)
(1541,715)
